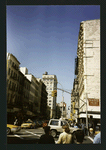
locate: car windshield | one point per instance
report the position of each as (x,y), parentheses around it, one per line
(63,123)
(53,122)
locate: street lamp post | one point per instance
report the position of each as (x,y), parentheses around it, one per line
(86,111)
(62,98)
(62,103)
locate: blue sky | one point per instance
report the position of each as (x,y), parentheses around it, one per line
(44,38)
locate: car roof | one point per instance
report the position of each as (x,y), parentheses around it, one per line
(58,119)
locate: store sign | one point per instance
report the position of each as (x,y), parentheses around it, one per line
(93,102)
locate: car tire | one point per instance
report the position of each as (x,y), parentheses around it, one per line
(8,131)
(54,133)
(31,127)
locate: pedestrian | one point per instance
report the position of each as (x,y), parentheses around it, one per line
(65,137)
(97,139)
(75,125)
(45,123)
(16,121)
(83,127)
(91,132)
(46,138)
(79,137)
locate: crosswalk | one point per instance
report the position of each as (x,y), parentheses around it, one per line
(26,133)
(34,135)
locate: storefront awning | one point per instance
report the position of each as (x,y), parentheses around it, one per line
(95,116)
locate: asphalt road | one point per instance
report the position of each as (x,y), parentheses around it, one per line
(31,136)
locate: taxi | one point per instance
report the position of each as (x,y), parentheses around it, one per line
(28,124)
(12,128)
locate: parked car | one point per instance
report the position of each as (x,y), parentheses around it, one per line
(56,127)
(28,124)
(12,128)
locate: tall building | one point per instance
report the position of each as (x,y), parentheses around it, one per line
(51,84)
(33,97)
(26,95)
(87,71)
(42,100)
(17,89)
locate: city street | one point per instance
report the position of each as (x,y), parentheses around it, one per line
(31,136)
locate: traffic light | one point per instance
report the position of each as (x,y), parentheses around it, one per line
(55,93)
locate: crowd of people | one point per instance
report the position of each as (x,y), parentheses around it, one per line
(66,137)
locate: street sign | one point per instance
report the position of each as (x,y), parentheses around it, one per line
(93,102)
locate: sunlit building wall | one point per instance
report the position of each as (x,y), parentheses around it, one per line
(51,84)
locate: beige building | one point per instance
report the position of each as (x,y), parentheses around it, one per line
(51,84)
(25,93)
(88,71)
(37,97)
(17,89)
(33,97)
(42,100)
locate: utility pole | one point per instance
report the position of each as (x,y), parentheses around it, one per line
(63,97)
(62,104)
(86,113)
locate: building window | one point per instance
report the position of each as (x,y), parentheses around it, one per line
(8,71)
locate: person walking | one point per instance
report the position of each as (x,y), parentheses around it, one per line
(97,139)
(65,137)
(83,127)
(16,121)
(79,137)
(46,138)
(75,125)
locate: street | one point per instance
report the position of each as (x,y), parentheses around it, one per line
(31,136)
